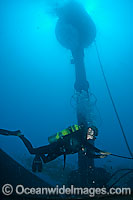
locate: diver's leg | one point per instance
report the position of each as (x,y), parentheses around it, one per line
(28,144)
(51,148)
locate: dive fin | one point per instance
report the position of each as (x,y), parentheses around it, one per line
(37,164)
(64,161)
(7,133)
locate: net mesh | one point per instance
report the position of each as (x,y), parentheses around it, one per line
(84,104)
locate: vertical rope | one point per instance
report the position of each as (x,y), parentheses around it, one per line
(110,95)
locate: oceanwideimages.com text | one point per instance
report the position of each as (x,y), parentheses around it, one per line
(7,190)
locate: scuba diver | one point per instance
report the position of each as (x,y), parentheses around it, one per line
(69,141)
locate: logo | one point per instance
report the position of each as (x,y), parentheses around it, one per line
(7,189)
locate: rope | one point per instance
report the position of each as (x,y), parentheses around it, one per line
(120,156)
(110,95)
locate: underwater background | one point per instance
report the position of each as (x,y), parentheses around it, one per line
(37,78)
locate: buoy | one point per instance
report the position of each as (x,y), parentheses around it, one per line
(74,27)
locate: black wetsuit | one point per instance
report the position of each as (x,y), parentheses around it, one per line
(6,132)
(69,144)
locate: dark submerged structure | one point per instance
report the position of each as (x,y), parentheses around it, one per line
(11,172)
(76,31)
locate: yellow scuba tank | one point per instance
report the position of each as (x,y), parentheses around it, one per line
(61,134)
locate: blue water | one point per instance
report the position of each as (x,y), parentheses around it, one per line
(37,79)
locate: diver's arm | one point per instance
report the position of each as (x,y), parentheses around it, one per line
(103,153)
(100,156)
(90,146)
(97,150)
(95,156)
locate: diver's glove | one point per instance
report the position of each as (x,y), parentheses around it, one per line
(102,156)
(105,153)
